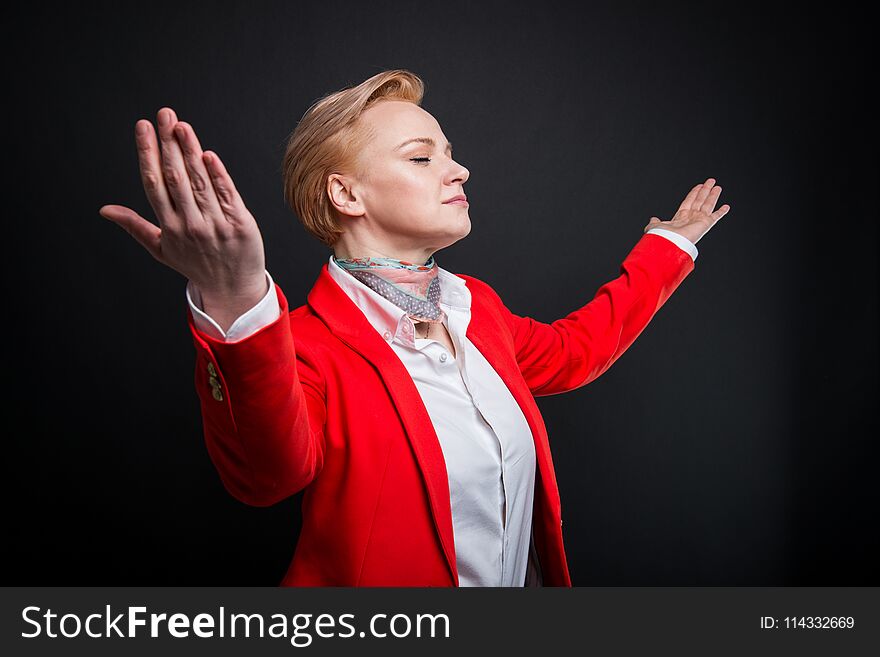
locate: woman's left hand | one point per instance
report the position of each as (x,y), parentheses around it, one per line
(695,216)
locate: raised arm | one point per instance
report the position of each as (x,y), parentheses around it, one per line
(573,351)
(262,401)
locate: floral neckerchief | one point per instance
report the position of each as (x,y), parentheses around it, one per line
(411,287)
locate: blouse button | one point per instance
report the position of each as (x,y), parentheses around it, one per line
(387,335)
(442,358)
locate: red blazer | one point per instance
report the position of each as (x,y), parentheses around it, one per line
(319,401)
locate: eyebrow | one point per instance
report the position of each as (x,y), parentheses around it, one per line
(425,140)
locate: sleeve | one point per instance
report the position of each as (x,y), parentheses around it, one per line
(264,313)
(575,350)
(679,240)
(263,408)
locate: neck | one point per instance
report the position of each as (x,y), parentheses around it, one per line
(417,256)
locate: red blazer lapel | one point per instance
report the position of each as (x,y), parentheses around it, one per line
(489,333)
(346,321)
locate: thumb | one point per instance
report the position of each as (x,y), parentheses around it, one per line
(147,234)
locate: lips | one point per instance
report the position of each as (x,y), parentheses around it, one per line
(461,199)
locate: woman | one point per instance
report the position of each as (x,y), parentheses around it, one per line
(400,398)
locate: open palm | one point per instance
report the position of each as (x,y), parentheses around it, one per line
(205,231)
(696,215)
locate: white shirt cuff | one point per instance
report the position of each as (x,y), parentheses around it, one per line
(263,314)
(682,242)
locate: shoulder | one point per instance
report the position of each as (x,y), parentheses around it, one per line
(480,289)
(474,283)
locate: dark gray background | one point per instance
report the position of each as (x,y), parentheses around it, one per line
(731,445)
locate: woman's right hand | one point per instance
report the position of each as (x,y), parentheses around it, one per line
(205,231)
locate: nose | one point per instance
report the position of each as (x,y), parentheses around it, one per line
(459,173)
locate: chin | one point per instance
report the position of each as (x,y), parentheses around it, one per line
(453,231)
(461,234)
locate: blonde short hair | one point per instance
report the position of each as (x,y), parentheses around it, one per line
(328,140)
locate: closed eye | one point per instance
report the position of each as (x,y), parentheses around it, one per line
(420,159)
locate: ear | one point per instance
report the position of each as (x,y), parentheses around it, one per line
(343,195)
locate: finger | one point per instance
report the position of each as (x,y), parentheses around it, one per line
(653,223)
(230,201)
(150,163)
(702,194)
(711,200)
(202,190)
(146,233)
(174,169)
(720,212)
(689,199)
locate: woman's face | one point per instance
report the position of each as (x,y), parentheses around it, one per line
(399,202)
